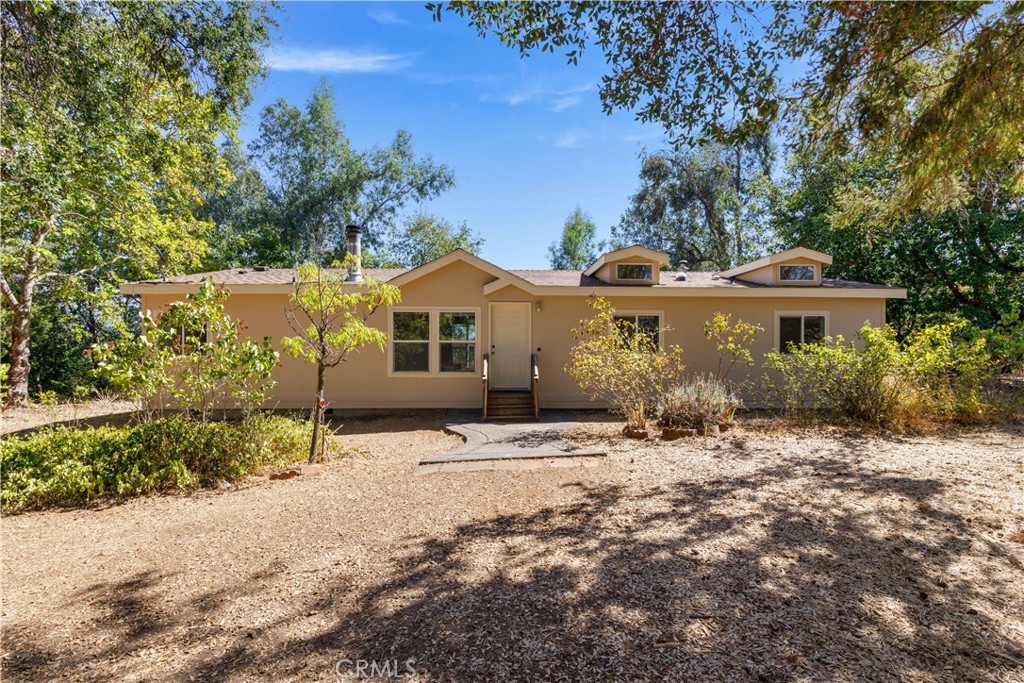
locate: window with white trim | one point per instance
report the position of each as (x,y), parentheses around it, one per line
(433,341)
(648,324)
(457,341)
(410,340)
(634,271)
(797,273)
(796,329)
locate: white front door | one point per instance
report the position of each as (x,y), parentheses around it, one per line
(510,346)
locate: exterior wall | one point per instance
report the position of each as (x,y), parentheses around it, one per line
(364,381)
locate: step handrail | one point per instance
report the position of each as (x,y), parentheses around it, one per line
(483,376)
(535,359)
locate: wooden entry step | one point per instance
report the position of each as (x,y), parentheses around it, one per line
(510,405)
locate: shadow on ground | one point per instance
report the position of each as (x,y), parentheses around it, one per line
(854,577)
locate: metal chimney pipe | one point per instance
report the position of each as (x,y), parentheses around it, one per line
(354,246)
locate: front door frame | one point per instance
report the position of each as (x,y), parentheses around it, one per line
(529,335)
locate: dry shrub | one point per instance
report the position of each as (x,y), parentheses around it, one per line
(700,402)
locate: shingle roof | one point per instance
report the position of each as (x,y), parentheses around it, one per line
(542,278)
(270,276)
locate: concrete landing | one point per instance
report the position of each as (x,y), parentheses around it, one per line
(511,440)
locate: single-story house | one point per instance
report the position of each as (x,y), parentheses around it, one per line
(467,329)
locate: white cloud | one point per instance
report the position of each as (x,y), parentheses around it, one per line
(387,17)
(337,61)
(539,91)
(564,103)
(571,139)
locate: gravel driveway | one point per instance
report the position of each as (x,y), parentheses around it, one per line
(758,556)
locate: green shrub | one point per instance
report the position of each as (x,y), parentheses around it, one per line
(698,403)
(621,364)
(935,373)
(63,466)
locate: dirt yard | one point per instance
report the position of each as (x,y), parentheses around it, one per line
(757,556)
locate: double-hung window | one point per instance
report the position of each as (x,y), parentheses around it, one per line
(433,341)
(800,328)
(457,341)
(410,339)
(647,324)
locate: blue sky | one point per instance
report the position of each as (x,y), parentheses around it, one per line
(526,137)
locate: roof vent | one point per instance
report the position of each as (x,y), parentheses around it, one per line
(681,271)
(260,269)
(243,271)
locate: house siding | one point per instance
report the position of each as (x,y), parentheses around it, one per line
(363,382)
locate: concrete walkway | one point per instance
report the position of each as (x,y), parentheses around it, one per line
(510,440)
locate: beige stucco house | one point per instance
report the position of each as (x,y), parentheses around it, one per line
(466,327)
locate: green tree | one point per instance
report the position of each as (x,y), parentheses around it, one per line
(578,247)
(313,184)
(926,82)
(329,318)
(705,207)
(423,239)
(962,262)
(110,114)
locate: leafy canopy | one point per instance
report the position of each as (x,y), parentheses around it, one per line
(422,239)
(706,207)
(929,82)
(303,182)
(578,247)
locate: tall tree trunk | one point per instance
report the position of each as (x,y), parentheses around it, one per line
(17,376)
(318,413)
(21,327)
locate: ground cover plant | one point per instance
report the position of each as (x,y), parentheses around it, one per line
(66,466)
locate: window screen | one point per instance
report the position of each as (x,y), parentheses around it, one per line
(411,341)
(457,341)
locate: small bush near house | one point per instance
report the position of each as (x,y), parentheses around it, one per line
(700,403)
(732,340)
(936,373)
(622,365)
(68,467)
(193,356)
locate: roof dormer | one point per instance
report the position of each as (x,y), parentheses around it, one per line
(634,265)
(793,267)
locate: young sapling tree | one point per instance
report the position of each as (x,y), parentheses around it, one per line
(329,317)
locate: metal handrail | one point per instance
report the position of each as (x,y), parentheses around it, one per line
(484,377)
(536,381)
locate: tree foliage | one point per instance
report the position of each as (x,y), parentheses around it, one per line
(329,318)
(110,115)
(302,183)
(965,261)
(191,356)
(706,207)
(928,82)
(422,239)
(578,246)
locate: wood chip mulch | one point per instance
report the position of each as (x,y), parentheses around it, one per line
(760,555)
